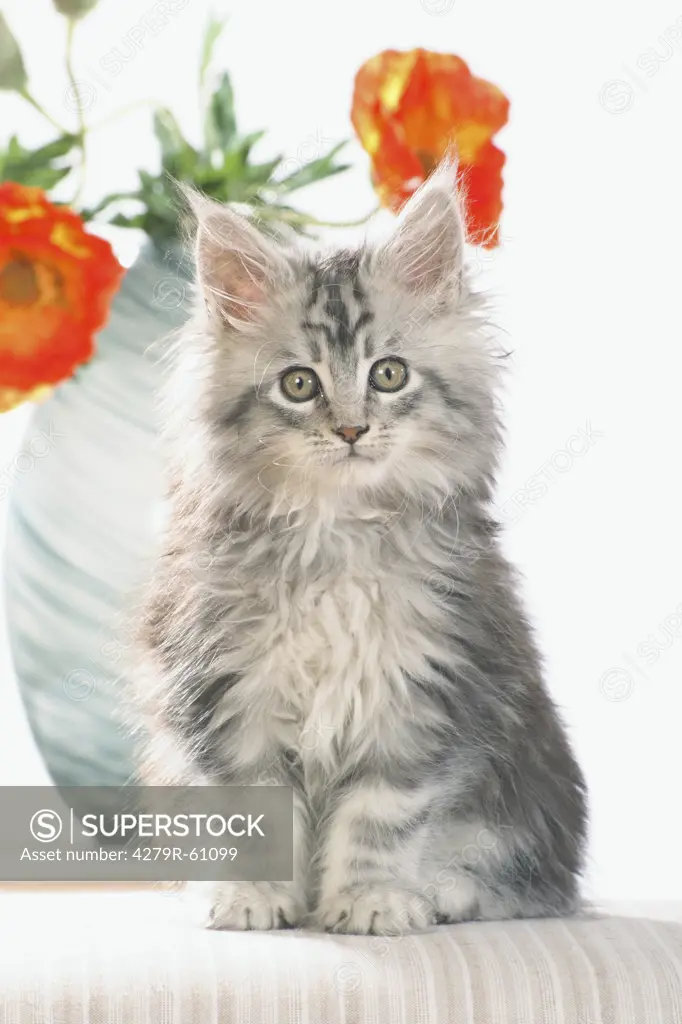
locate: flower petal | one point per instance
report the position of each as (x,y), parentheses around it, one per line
(56,283)
(410,109)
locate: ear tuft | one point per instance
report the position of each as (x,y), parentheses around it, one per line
(426,252)
(237,267)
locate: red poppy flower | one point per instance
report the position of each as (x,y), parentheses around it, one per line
(56,284)
(410,109)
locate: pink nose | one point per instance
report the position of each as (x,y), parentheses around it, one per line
(351,434)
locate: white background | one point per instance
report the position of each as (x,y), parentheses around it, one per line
(588,289)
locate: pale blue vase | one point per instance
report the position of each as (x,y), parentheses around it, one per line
(82,531)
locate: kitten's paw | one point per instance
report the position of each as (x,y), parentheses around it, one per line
(257,906)
(375,910)
(458,898)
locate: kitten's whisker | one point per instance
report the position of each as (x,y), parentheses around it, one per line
(258,386)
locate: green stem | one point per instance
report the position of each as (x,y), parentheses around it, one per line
(25,94)
(80,113)
(293,217)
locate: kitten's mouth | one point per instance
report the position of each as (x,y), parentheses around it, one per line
(361,454)
(351,456)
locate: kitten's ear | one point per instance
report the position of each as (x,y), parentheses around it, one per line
(237,267)
(426,252)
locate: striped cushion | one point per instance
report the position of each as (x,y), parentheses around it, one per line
(91,958)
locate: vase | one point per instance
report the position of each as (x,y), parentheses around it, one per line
(82,529)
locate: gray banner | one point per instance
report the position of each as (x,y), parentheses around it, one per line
(146,833)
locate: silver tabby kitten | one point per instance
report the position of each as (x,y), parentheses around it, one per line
(332,611)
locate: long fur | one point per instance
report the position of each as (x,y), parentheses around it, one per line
(340,619)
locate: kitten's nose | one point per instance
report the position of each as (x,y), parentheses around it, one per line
(351,434)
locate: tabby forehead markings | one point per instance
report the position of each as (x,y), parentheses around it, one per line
(337,307)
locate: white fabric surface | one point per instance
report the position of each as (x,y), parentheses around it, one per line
(133,958)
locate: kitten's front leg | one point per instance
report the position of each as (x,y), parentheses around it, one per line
(262,906)
(372,847)
(235,905)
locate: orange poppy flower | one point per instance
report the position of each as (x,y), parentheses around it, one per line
(410,109)
(56,283)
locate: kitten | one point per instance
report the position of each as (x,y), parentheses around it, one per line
(333,611)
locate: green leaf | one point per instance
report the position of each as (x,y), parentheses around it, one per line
(90,212)
(74,8)
(148,181)
(121,221)
(156,195)
(44,177)
(36,167)
(261,173)
(248,142)
(270,218)
(167,131)
(323,167)
(178,158)
(30,159)
(14,150)
(213,32)
(12,71)
(220,126)
(53,150)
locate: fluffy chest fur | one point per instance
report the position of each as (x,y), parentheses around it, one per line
(331,644)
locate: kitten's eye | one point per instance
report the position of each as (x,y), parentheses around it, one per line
(300,384)
(388,375)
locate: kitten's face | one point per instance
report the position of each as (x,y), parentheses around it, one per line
(351,373)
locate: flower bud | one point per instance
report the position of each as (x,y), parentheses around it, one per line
(74,8)
(12,70)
